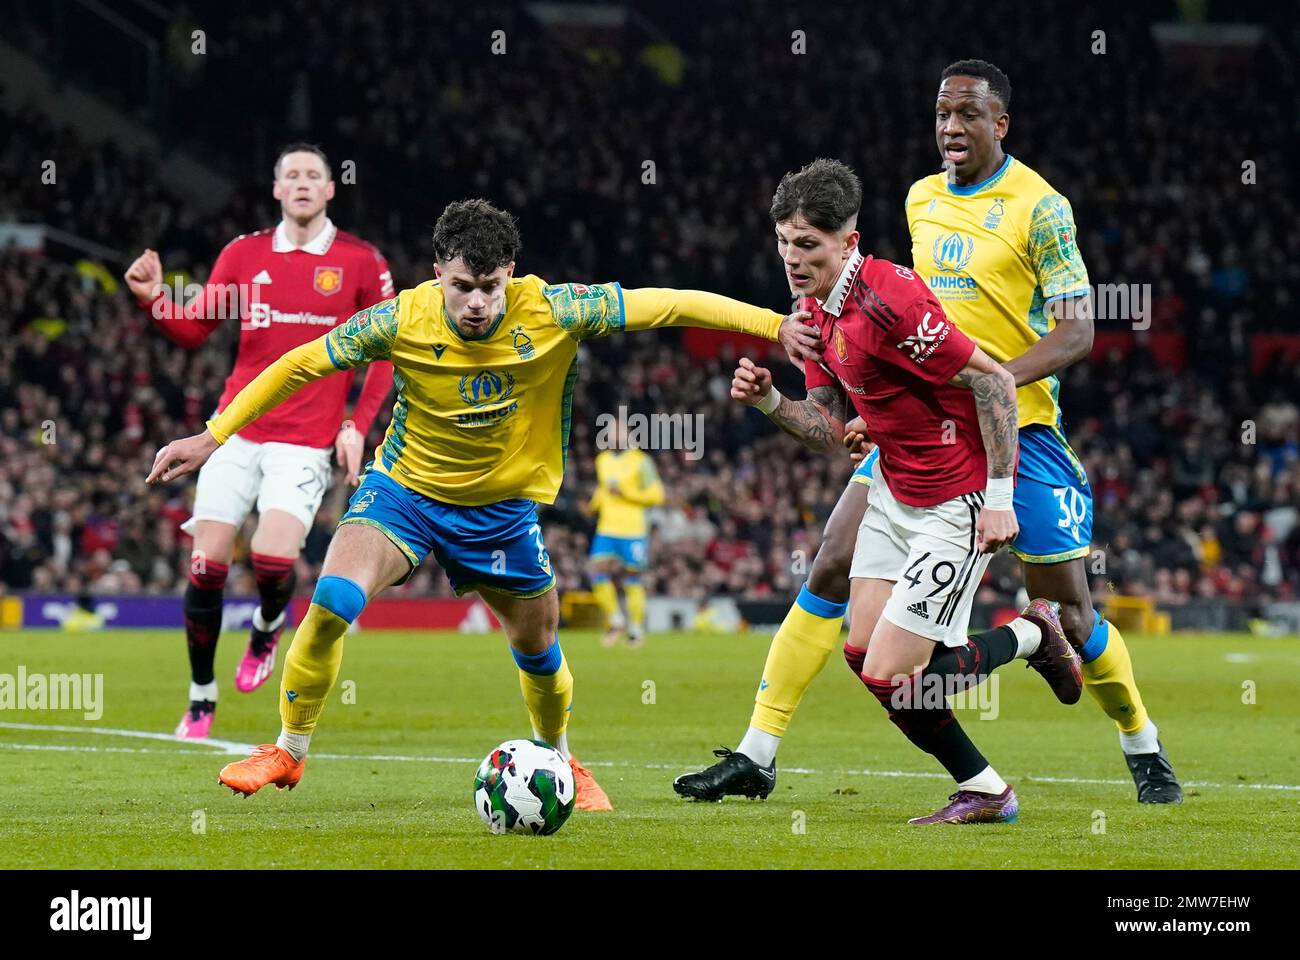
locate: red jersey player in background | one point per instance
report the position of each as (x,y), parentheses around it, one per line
(287,285)
(943,414)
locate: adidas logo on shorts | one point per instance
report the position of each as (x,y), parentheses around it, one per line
(918,609)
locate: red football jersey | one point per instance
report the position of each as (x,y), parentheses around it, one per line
(289,296)
(886,339)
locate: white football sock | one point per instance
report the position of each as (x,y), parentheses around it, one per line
(760,746)
(295,744)
(1028,637)
(561,745)
(986,781)
(1144,741)
(203,691)
(259,622)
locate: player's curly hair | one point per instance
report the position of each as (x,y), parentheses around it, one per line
(998,83)
(477,232)
(827,192)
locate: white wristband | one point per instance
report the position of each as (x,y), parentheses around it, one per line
(998,494)
(769,403)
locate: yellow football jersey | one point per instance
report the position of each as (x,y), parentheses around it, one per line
(996,254)
(627,484)
(484,420)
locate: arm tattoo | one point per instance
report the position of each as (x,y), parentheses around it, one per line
(995,404)
(805,420)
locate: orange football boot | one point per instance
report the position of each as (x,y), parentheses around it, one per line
(587,792)
(266,764)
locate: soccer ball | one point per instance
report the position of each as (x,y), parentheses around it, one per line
(524,786)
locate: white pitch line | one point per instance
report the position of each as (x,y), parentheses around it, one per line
(231,746)
(225,746)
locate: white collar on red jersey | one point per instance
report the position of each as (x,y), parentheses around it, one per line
(834,302)
(319,244)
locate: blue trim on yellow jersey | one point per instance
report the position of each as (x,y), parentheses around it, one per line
(622,310)
(566,411)
(1062,296)
(977,187)
(446,319)
(395,441)
(333,359)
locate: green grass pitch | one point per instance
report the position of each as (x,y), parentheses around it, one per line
(389,784)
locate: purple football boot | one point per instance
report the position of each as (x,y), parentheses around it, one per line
(1055,659)
(967,806)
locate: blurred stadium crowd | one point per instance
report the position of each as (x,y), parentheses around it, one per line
(1196,471)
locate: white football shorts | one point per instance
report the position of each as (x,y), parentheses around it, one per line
(929,554)
(272,476)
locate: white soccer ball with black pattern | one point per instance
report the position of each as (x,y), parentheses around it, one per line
(524,786)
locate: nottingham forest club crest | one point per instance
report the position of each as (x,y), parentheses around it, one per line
(993,218)
(522,343)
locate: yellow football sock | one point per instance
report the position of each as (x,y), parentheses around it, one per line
(310,668)
(607,597)
(547,686)
(634,593)
(1109,678)
(798,653)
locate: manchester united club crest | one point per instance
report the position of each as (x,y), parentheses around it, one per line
(328,280)
(841,348)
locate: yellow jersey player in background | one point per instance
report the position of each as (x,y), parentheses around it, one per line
(997,245)
(627,485)
(484,365)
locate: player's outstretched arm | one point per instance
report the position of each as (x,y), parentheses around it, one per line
(368,335)
(597,310)
(995,405)
(290,373)
(817,422)
(652,307)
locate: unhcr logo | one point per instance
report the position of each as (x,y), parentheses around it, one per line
(486,386)
(952,253)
